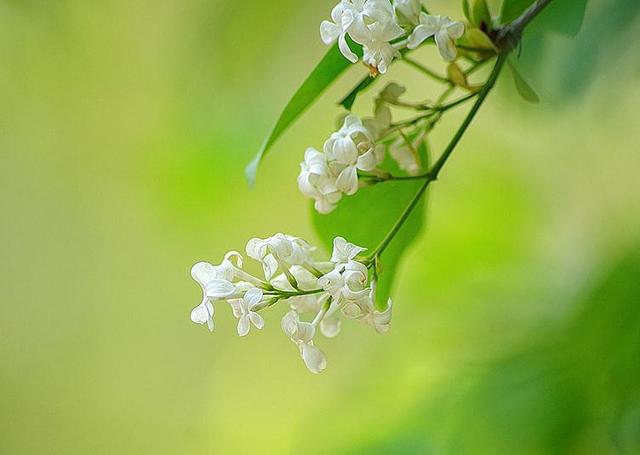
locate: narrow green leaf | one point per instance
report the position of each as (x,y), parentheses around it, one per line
(481,14)
(466,9)
(564,17)
(348,101)
(523,87)
(330,67)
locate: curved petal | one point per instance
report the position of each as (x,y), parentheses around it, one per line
(446,47)
(345,49)
(256,320)
(203,272)
(418,36)
(252,297)
(330,326)
(347,181)
(314,358)
(243,325)
(329,32)
(217,289)
(455,30)
(368,161)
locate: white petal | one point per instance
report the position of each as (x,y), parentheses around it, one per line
(203,272)
(270,266)
(329,32)
(446,46)
(256,320)
(368,161)
(330,326)
(418,36)
(346,50)
(219,288)
(348,180)
(289,324)
(314,358)
(455,30)
(252,297)
(237,307)
(243,325)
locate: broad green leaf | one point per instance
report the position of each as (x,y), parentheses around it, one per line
(365,219)
(330,67)
(523,87)
(348,101)
(561,16)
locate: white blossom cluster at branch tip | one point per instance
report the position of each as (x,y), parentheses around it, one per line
(379,25)
(326,291)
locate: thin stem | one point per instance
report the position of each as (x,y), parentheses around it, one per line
(423,69)
(437,167)
(289,294)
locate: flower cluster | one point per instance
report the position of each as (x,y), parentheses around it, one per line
(326,176)
(328,291)
(379,25)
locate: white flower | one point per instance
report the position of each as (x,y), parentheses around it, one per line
(343,17)
(346,281)
(364,310)
(215,282)
(243,310)
(279,252)
(351,148)
(344,251)
(315,181)
(370,23)
(406,156)
(443,29)
(378,52)
(302,333)
(408,11)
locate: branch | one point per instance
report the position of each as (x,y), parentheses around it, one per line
(509,35)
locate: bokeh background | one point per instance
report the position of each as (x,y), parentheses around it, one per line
(124,130)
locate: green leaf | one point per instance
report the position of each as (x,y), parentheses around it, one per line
(330,67)
(523,87)
(481,14)
(365,219)
(466,9)
(564,17)
(348,101)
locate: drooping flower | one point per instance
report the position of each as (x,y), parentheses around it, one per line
(317,183)
(443,29)
(378,52)
(243,310)
(364,310)
(350,149)
(302,333)
(215,282)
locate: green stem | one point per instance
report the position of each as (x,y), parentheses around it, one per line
(437,167)
(425,70)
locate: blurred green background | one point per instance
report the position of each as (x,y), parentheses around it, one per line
(124,130)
